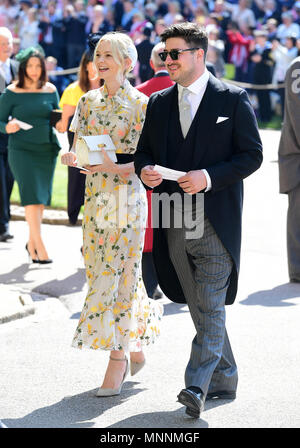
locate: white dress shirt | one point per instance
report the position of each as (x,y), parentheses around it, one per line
(195,96)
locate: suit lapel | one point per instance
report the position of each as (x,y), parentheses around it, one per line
(163,122)
(207,115)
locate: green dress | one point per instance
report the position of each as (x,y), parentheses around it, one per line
(31,154)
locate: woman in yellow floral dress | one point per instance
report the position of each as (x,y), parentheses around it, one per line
(117,314)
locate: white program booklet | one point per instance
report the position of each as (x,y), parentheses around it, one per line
(23,125)
(168,174)
(81,168)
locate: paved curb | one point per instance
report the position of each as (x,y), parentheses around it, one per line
(51,216)
(14,305)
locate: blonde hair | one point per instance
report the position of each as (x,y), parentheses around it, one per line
(122,47)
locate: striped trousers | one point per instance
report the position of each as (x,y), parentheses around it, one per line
(203,267)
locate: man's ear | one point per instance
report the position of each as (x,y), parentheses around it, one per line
(200,53)
(151,65)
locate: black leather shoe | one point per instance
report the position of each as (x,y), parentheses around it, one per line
(45,261)
(5,236)
(222,395)
(194,401)
(157,294)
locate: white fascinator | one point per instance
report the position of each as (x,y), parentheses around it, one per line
(132,54)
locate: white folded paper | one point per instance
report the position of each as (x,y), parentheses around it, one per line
(81,168)
(167,173)
(23,125)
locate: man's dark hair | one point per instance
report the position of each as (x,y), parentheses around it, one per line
(193,34)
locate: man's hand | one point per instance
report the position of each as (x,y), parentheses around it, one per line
(193,182)
(150,177)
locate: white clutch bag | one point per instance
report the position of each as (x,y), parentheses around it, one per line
(88,149)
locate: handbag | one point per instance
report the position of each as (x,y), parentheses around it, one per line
(55,116)
(88,149)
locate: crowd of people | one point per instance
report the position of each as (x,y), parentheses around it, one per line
(174,128)
(259,38)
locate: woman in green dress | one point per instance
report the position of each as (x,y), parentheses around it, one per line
(32,153)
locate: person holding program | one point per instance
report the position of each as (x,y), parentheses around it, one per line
(117,315)
(32,153)
(208,130)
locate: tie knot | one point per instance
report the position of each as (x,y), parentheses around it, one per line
(185,93)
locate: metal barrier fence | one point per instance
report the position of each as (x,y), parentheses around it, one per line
(244,85)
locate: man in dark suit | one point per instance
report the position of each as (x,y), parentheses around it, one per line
(8,71)
(263,64)
(161,80)
(208,130)
(144,49)
(289,166)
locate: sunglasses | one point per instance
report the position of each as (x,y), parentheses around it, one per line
(174,54)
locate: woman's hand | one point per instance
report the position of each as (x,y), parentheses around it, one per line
(69,158)
(12,126)
(60,126)
(108,166)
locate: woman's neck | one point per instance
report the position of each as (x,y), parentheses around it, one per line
(113,87)
(94,84)
(30,85)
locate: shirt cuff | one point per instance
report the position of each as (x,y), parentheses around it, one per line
(208,181)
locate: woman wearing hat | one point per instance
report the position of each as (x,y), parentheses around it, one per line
(117,314)
(32,152)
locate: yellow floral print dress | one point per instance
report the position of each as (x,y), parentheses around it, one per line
(117,313)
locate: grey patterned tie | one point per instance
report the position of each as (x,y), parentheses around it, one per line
(185,113)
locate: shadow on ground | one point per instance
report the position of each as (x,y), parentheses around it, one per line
(72,284)
(81,411)
(277,296)
(175,308)
(77,411)
(17,275)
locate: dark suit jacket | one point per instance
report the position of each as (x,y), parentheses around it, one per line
(160,81)
(14,69)
(144,50)
(230,151)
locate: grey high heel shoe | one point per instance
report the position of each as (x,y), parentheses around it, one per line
(135,367)
(105,392)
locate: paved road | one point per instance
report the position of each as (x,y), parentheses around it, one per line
(46,383)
